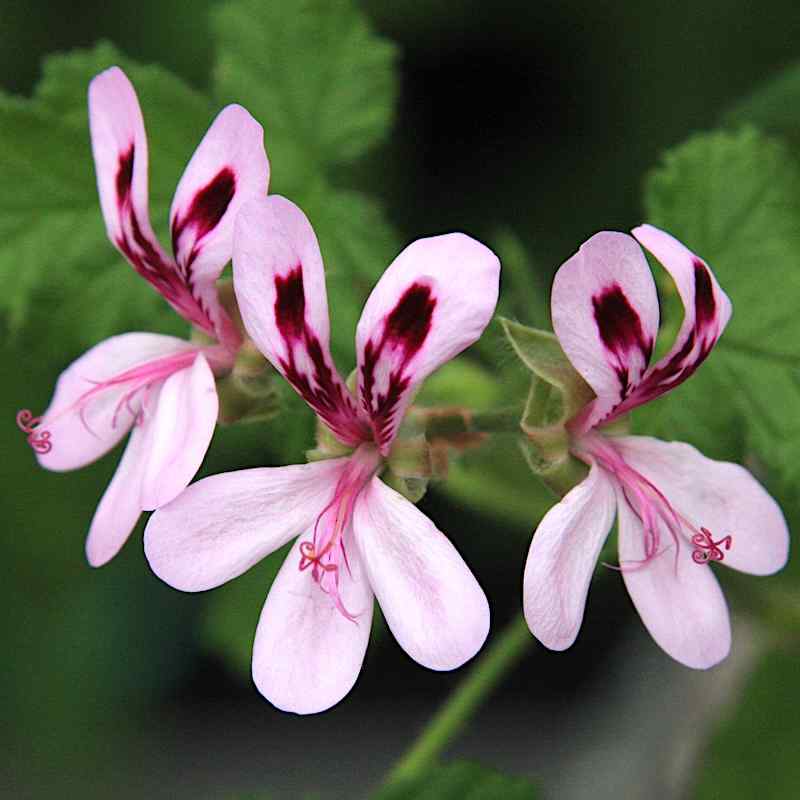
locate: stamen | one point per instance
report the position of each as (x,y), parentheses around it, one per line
(38,440)
(325,551)
(706,549)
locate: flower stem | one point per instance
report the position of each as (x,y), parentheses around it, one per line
(456,421)
(494,664)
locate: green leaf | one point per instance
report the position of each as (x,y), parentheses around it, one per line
(734,198)
(773,107)
(61,273)
(313,72)
(460,780)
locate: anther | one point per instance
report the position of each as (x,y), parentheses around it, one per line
(706,549)
(28,424)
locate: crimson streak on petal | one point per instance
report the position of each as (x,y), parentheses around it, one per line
(699,342)
(404,331)
(623,336)
(205,212)
(146,256)
(313,378)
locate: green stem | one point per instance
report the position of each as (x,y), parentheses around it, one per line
(492,666)
(448,423)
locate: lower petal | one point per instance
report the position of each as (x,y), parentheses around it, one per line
(679,601)
(562,558)
(722,497)
(179,433)
(82,431)
(307,654)
(119,508)
(220,526)
(432,602)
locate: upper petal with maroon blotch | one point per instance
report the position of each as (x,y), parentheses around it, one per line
(605,314)
(433,301)
(119,145)
(228,168)
(92,407)
(280,287)
(707,310)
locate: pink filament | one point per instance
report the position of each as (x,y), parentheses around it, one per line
(653,509)
(325,552)
(139,379)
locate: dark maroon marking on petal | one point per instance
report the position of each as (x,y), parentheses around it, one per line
(683,363)
(146,258)
(705,305)
(125,176)
(206,210)
(290,304)
(410,320)
(619,325)
(621,331)
(327,395)
(405,329)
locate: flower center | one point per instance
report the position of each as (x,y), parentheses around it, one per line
(326,552)
(654,510)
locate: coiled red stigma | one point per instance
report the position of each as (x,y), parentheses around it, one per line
(38,440)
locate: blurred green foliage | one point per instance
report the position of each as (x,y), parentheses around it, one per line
(734,198)
(460,780)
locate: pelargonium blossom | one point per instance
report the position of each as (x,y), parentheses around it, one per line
(160,388)
(356,537)
(677,511)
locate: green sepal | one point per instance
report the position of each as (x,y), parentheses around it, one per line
(328,446)
(561,474)
(541,353)
(411,488)
(251,392)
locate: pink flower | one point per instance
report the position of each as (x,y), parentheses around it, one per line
(357,537)
(158,387)
(677,511)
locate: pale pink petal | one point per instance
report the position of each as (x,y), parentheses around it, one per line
(307,654)
(280,287)
(433,301)
(119,508)
(707,310)
(432,603)
(228,168)
(220,526)
(562,558)
(605,314)
(119,146)
(85,419)
(679,601)
(179,433)
(722,497)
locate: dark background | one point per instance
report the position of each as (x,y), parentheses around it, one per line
(538,117)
